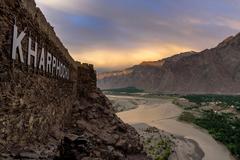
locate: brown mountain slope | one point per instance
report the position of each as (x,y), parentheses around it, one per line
(211,71)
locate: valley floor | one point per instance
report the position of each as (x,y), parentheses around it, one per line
(162,114)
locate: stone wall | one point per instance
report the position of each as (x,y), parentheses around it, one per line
(86,77)
(44,117)
(36,13)
(33,106)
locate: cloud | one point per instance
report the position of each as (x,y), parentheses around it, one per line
(67,6)
(106,58)
(94,30)
(229,22)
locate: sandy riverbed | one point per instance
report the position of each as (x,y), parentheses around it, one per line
(161,113)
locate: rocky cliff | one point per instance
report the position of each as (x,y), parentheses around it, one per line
(215,71)
(43,116)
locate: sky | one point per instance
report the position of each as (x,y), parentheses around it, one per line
(116,34)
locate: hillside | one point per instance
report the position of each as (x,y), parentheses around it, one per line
(53,111)
(215,71)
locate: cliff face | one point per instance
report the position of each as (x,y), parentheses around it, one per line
(43,116)
(210,71)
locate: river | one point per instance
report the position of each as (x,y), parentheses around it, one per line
(162,113)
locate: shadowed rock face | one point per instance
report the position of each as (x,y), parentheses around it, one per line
(44,117)
(216,70)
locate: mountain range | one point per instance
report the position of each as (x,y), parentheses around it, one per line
(212,71)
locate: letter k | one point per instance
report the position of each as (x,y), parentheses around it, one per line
(17,43)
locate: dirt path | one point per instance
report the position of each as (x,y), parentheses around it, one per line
(162,114)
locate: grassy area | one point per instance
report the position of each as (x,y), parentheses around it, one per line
(125,90)
(157,148)
(222,100)
(187,117)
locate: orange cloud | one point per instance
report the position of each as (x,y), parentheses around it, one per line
(109,58)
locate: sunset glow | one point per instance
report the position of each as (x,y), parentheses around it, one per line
(117,34)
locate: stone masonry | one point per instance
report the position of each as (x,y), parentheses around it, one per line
(44,117)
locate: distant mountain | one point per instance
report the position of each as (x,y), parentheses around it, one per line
(215,71)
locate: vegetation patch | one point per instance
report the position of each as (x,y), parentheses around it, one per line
(222,100)
(223,127)
(157,146)
(157,149)
(125,90)
(187,117)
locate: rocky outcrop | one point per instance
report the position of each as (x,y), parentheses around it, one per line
(45,117)
(212,71)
